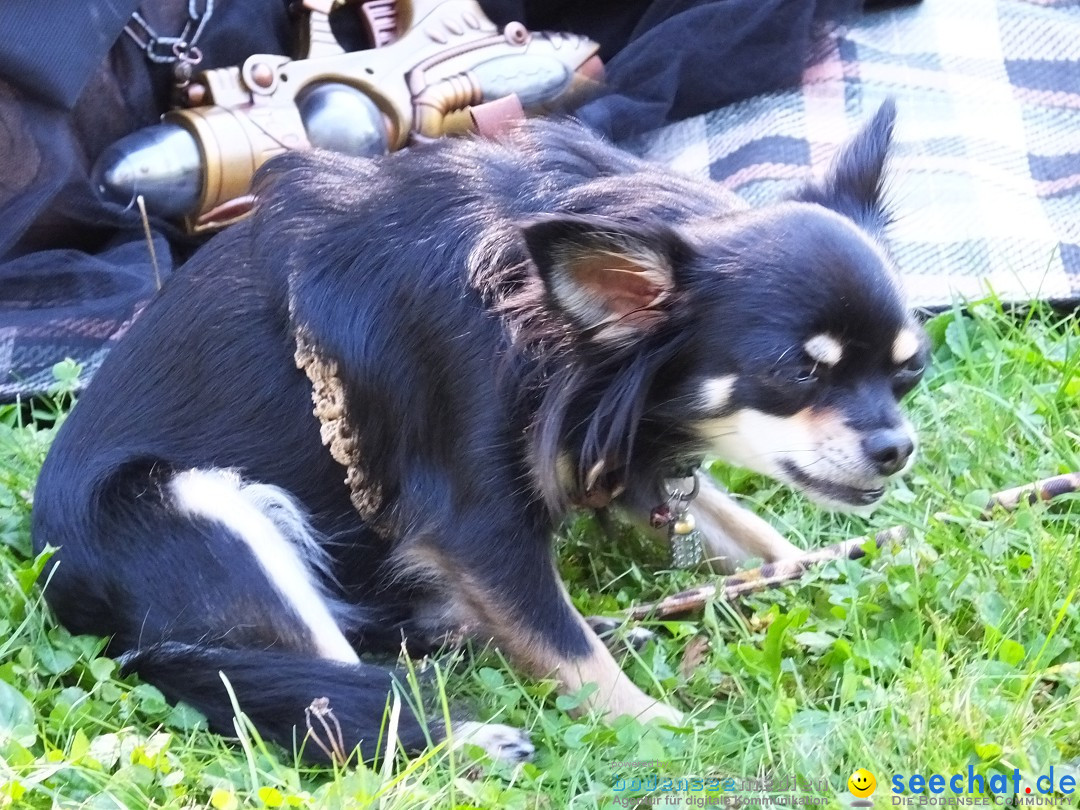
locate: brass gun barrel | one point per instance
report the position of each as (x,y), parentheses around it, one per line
(445,59)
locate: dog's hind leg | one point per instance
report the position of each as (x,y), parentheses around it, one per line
(202,578)
(276,534)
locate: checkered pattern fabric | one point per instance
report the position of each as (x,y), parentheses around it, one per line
(985,176)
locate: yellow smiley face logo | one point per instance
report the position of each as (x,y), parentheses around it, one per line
(862,783)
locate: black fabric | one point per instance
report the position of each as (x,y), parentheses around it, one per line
(89,259)
(671,59)
(666,59)
(49,52)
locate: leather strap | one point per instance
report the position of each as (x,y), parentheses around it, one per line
(494,117)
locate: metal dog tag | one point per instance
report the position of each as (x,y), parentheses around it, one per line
(685,542)
(685,539)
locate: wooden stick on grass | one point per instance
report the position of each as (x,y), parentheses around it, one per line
(771,575)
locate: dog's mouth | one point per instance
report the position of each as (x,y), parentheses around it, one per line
(833,491)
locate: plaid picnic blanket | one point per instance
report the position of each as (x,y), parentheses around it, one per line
(985,176)
(986,171)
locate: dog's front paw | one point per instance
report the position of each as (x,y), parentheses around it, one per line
(503,743)
(611,632)
(663,713)
(630,701)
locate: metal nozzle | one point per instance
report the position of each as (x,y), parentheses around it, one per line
(343,119)
(190,167)
(162,163)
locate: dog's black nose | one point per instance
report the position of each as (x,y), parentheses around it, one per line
(888,449)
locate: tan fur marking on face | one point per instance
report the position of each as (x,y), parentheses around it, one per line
(824,421)
(825,349)
(905,346)
(716,391)
(813,439)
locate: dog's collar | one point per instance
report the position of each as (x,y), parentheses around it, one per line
(685,469)
(672,514)
(595,495)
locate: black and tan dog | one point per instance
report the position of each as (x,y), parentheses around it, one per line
(490,333)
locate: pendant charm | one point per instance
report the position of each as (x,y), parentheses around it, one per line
(661,517)
(685,541)
(674,515)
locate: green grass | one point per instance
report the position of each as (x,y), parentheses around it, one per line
(958,649)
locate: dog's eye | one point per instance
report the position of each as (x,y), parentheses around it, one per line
(806,374)
(916,366)
(907,376)
(794,376)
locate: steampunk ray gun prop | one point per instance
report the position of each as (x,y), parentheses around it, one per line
(438,67)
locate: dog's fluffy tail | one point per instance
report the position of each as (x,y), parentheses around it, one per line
(324,708)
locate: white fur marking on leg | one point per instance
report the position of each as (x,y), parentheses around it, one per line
(286,514)
(272,526)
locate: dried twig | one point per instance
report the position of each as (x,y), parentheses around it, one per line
(328,736)
(778,573)
(1044,490)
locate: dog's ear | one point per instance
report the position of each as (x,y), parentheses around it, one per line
(853,184)
(613,280)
